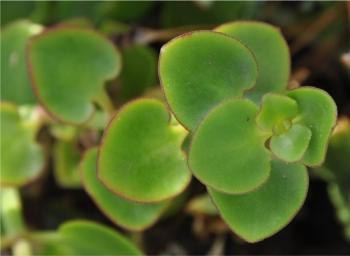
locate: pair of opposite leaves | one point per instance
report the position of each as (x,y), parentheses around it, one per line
(192,87)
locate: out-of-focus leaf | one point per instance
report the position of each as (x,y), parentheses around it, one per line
(22,158)
(89,238)
(15,84)
(68,67)
(139,71)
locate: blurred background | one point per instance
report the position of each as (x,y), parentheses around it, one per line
(319,38)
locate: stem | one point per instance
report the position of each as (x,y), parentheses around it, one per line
(21,248)
(11,213)
(104,101)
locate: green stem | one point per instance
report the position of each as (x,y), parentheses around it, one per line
(11,213)
(104,101)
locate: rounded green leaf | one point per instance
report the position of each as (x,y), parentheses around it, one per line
(276,113)
(15,84)
(89,238)
(140,157)
(200,69)
(68,67)
(66,160)
(139,71)
(271,51)
(318,112)
(259,214)
(22,159)
(291,145)
(227,146)
(128,214)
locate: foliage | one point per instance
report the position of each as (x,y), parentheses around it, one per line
(223,113)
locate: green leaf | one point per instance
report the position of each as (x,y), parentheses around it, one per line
(139,71)
(291,145)
(15,85)
(259,214)
(68,68)
(128,214)
(89,238)
(277,112)
(271,52)
(337,159)
(22,158)
(227,146)
(66,160)
(140,157)
(317,111)
(198,70)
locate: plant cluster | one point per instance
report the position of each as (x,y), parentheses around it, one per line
(227,117)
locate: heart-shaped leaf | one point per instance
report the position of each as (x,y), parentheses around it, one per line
(291,145)
(66,160)
(22,159)
(271,52)
(139,71)
(68,68)
(15,85)
(259,214)
(89,238)
(277,112)
(140,157)
(200,69)
(318,112)
(227,146)
(128,214)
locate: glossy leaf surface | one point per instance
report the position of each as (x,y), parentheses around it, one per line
(277,112)
(89,238)
(22,159)
(271,52)
(291,145)
(226,148)
(140,157)
(128,214)
(68,68)
(259,214)
(200,69)
(15,84)
(317,111)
